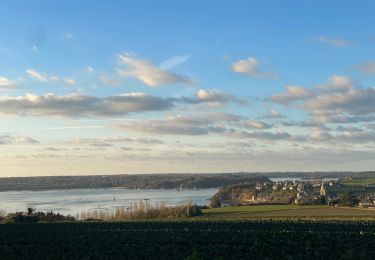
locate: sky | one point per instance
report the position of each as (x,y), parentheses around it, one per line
(113,87)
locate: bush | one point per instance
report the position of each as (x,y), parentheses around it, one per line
(349,199)
(33,217)
(215,202)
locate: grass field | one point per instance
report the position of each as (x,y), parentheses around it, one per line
(359,182)
(285,211)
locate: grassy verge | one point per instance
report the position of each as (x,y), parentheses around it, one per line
(291,211)
(359,182)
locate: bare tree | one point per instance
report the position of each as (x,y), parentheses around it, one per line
(30,209)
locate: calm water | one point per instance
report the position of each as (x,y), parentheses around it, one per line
(276,179)
(77,200)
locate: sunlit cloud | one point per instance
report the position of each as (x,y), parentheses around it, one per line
(147,72)
(75,105)
(252,68)
(46,78)
(6,83)
(292,93)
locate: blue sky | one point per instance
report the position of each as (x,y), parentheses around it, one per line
(143,86)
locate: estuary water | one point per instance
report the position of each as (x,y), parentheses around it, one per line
(74,201)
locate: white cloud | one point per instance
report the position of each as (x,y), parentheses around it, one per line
(215,98)
(337,83)
(252,67)
(337,42)
(6,139)
(75,105)
(256,124)
(212,98)
(69,81)
(6,83)
(338,101)
(292,93)
(46,78)
(273,113)
(261,135)
(356,101)
(177,125)
(211,123)
(36,75)
(147,72)
(319,134)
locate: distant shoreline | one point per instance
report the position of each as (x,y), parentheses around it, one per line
(152,181)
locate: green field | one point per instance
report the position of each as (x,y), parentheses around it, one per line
(285,211)
(359,182)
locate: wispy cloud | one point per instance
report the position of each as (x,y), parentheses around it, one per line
(6,83)
(36,75)
(6,139)
(110,81)
(147,72)
(173,62)
(337,42)
(90,69)
(174,125)
(111,140)
(46,78)
(366,68)
(73,127)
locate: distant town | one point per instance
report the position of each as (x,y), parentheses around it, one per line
(355,190)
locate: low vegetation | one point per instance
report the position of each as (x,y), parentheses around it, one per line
(144,210)
(33,216)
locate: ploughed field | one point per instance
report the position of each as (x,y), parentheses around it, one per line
(197,239)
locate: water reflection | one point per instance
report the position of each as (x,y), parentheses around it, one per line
(78,200)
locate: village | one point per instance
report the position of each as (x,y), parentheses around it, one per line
(332,192)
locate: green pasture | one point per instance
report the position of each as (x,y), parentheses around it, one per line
(291,211)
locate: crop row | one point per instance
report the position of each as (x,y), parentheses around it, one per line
(179,240)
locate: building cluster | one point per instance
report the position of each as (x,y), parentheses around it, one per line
(367,201)
(309,191)
(297,192)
